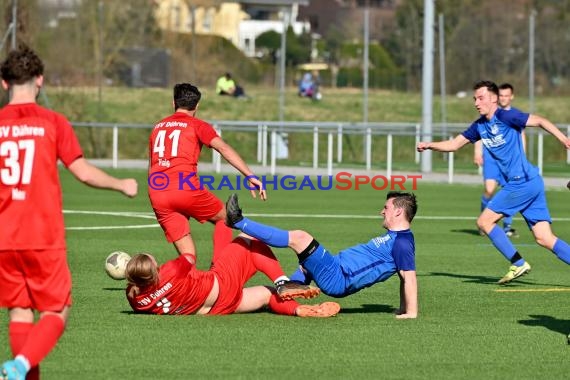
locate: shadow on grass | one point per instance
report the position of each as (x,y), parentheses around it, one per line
(469,231)
(368,308)
(468,278)
(486,279)
(114,289)
(561,326)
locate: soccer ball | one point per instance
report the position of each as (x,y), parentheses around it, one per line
(116,264)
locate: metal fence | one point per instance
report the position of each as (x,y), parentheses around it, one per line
(271,136)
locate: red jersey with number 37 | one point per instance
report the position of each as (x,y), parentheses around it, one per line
(174,149)
(32,139)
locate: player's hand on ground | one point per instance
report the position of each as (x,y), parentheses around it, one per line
(401,314)
(129,187)
(255,182)
(422,146)
(406,316)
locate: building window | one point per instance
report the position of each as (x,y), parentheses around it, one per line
(176,17)
(208,19)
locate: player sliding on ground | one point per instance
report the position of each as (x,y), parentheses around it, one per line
(177,287)
(354,268)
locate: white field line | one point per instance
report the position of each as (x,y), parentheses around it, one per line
(150,215)
(532,290)
(135,226)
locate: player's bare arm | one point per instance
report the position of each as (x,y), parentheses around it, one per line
(237,162)
(409,295)
(548,126)
(95,177)
(443,146)
(478,153)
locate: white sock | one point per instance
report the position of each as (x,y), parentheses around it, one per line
(281,278)
(24,361)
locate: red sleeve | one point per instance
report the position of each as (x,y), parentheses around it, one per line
(206,133)
(68,148)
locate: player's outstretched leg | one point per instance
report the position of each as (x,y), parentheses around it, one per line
(323,310)
(233,211)
(13,370)
(270,235)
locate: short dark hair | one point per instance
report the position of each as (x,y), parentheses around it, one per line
(507,86)
(407,201)
(21,66)
(491,86)
(186,96)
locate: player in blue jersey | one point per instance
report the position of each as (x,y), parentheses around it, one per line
(491,175)
(523,191)
(354,268)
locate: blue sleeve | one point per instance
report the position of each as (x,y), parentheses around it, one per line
(472,134)
(513,118)
(403,252)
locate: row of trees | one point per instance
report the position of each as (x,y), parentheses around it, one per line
(483,38)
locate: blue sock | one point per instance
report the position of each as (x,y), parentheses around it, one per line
(302,277)
(272,236)
(562,250)
(507,222)
(484,201)
(504,245)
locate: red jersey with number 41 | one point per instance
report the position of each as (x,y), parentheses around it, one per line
(32,139)
(174,149)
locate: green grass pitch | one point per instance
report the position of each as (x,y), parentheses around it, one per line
(468,327)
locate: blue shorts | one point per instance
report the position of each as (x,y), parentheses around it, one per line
(491,171)
(526,197)
(326,272)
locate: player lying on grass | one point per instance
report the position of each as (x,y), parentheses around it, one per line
(354,268)
(178,287)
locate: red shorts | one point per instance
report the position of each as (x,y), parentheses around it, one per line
(233,268)
(174,208)
(36,279)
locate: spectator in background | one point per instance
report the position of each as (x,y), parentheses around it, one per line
(226,85)
(309,87)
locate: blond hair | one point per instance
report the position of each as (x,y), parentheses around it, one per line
(141,272)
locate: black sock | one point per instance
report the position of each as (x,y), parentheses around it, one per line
(307,251)
(516,257)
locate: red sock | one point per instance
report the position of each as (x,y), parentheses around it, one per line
(223,236)
(278,306)
(18,332)
(42,338)
(265,261)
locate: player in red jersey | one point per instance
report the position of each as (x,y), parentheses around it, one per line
(178,288)
(174,187)
(33,266)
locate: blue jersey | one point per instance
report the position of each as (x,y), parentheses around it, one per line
(501,137)
(377,260)
(361,266)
